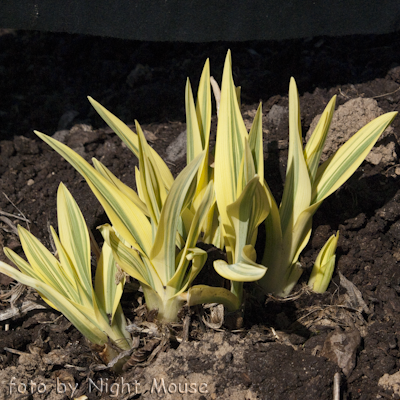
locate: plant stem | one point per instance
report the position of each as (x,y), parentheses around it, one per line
(237,290)
(168,306)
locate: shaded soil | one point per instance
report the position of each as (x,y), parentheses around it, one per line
(285,349)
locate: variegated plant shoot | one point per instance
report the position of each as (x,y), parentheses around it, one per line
(244,199)
(147,229)
(307,185)
(239,187)
(198,124)
(65,282)
(153,232)
(324,265)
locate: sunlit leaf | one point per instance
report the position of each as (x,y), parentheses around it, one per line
(194,139)
(324,265)
(79,320)
(129,192)
(152,186)
(163,252)
(125,215)
(74,235)
(239,272)
(315,145)
(190,253)
(256,144)
(108,291)
(297,191)
(335,171)
(203,105)
(231,133)
(127,258)
(130,139)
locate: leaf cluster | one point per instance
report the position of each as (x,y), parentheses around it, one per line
(153,232)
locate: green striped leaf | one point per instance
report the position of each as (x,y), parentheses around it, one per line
(231,132)
(45,265)
(108,291)
(295,241)
(335,171)
(127,258)
(77,292)
(246,214)
(197,257)
(203,105)
(90,330)
(152,186)
(23,266)
(126,190)
(190,253)
(74,236)
(256,144)
(26,269)
(297,191)
(315,145)
(163,253)
(247,169)
(240,271)
(124,214)
(198,123)
(194,139)
(229,149)
(131,140)
(324,265)
(273,248)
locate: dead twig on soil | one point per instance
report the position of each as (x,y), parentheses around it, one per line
(15,216)
(304,290)
(13,351)
(355,296)
(13,294)
(81,369)
(324,311)
(25,307)
(7,221)
(386,94)
(24,218)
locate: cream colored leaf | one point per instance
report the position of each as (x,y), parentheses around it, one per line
(335,171)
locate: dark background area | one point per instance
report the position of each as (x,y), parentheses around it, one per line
(45,75)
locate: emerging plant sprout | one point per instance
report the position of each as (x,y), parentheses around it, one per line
(307,185)
(153,233)
(65,282)
(244,199)
(324,265)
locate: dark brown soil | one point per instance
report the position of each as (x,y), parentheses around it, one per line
(284,350)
